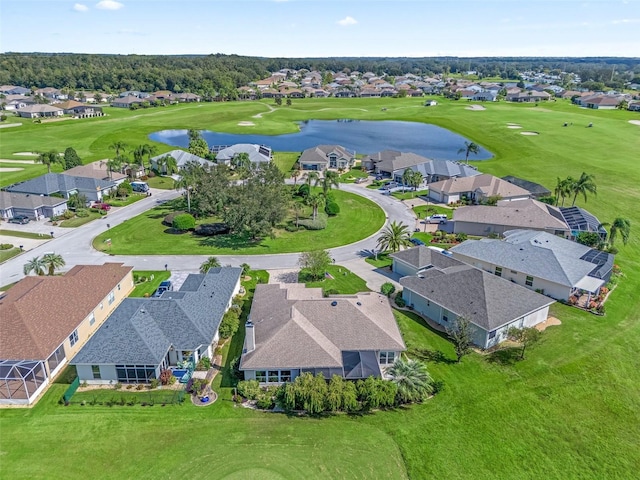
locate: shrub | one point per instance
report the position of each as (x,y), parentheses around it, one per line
(166,376)
(303,190)
(68,214)
(204,364)
(400,301)
(168,220)
(154,383)
(320,223)
(332,208)
(184,222)
(211,229)
(387,289)
(139,386)
(290,227)
(249,389)
(266,399)
(117,386)
(461,237)
(245,269)
(229,325)
(6,246)
(82,212)
(330,291)
(612,250)
(124,189)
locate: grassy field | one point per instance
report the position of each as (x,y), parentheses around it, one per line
(79,221)
(9,253)
(19,234)
(344,281)
(151,285)
(163,183)
(145,234)
(569,411)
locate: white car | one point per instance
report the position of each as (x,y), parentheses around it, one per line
(437,218)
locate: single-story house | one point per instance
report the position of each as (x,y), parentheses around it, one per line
(529,96)
(491,304)
(39,110)
(293,329)
(97,170)
(477,188)
(13,204)
(600,102)
(72,107)
(257,153)
(536,190)
(51,93)
(46,320)
(182,158)
(126,102)
(14,90)
(485,96)
(412,260)
(634,106)
(540,261)
(145,336)
(187,97)
(325,157)
(65,186)
(484,220)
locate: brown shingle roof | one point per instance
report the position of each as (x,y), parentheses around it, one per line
(38,313)
(487,184)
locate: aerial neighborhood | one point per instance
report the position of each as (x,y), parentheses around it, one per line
(287,248)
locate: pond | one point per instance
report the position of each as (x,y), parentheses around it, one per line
(364,137)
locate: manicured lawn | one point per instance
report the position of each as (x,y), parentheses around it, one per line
(383,260)
(285,161)
(150,285)
(78,221)
(118,396)
(123,202)
(9,253)
(343,282)
(353,174)
(145,234)
(163,183)
(409,194)
(421,211)
(19,234)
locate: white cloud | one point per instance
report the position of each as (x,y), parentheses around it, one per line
(347,21)
(79,7)
(626,21)
(109,5)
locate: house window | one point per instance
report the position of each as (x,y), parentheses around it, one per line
(92,319)
(445,318)
(387,358)
(428,303)
(273,376)
(73,338)
(285,375)
(101,306)
(95,370)
(529,281)
(492,334)
(261,376)
(118,287)
(111,298)
(498,271)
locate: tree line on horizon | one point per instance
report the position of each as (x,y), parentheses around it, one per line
(222,74)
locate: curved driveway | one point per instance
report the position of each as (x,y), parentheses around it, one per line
(75,246)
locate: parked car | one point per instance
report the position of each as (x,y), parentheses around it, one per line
(102,206)
(140,187)
(360,180)
(378,177)
(21,219)
(416,241)
(437,218)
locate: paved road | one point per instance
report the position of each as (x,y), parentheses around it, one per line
(75,245)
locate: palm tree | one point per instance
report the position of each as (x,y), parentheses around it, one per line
(406,178)
(413,380)
(48,158)
(469,148)
(114,165)
(563,189)
(622,226)
(585,184)
(150,150)
(138,155)
(416,180)
(168,165)
(35,265)
(330,179)
(209,263)
(312,177)
(394,237)
(315,201)
(296,173)
(187,182)
(118,146)
(52,262)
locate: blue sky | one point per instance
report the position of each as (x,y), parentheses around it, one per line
(322,28)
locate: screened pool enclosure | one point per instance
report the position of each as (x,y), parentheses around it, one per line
(21,380)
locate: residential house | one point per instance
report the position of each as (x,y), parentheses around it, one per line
(540,261)
(50,93)
(39,110)
(323,157)
(14,90)
(45,321)
(485,96)
(80,110)
(126,102)
(449,290)
(97,170)
(13,204)
(536,190)
(529,96)
(63,185)
(476,188)
(145,336)
(187,97)
(634,106)
(601,102)
(486,220)
(579,220)
(412,260)
(293,329)
(181,157)
(257,153)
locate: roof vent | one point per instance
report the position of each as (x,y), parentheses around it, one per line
(142,310)
(334,303)
(359,304)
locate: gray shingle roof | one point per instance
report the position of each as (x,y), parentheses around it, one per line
(319,154)
(57,182)
(539,254)
(25,200)
(182,158)
(422,256)
(140,331)
(252,150)
(524,213)
(484,299)
(296,327)
(487,184)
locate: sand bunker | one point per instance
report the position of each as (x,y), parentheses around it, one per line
(475,107)
(635,122)
(514,126)
(27,154)
(10,125)
(5,160)
(529,133)
(7,169)
(246,124)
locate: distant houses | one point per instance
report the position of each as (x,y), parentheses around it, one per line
(257,153)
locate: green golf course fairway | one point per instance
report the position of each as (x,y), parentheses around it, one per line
(570,410)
